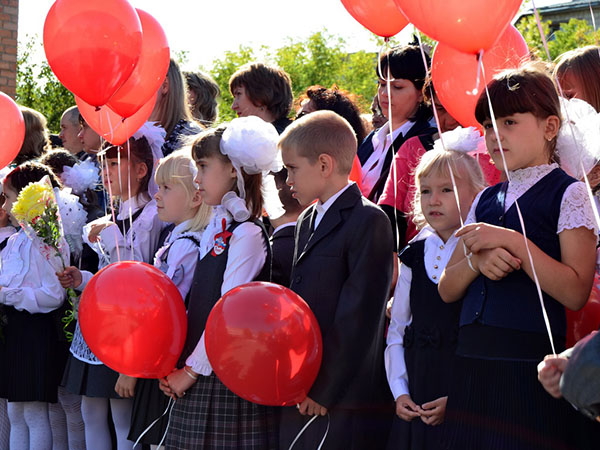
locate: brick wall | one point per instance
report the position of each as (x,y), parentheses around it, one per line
(9,17)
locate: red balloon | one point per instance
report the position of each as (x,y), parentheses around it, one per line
(379,16)
(583,322)
(111,126)
(466,25)
(92,46)
(12,129)
(149,72)
(264,344)
(133,318)
(454,73)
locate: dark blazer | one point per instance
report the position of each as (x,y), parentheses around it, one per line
(282,245)
(343,271)
(420,128)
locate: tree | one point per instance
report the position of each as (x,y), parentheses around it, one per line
(38,87)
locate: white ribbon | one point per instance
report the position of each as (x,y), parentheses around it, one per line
(306,426)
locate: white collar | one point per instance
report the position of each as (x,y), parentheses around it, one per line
(322,208)
(285,225)
(381,134)
(528,174)
(132,203)
(179,230)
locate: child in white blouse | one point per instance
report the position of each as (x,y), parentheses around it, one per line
(134,235)
(31,295)
(178,201)
(422,335)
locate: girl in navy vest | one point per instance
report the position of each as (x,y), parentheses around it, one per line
(495,400)
(179,202)
(421,338)
(231,161)
(128,176)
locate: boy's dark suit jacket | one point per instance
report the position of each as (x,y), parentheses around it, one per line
(282,244)
(343,271)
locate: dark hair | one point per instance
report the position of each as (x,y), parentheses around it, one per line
(57,159)
(207,90)
(528,89)
(340,102)
(584,64)
(290,204)
(266,86)
(140,152)
(406,62)
(29,172)
(207,144)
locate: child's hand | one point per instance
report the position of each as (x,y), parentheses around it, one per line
(179,381)
(482,236)
(549,372)
(163,385)
(495,263)
(433,412)
(70,277)
(406,409)
(96,229)
(125,386)
(312,408)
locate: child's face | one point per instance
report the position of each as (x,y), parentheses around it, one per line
(571,86)
(438,202)
(10,197)
(173,203)
(304,178)
(215,178)
(523,137)
(89,138)
(122,180)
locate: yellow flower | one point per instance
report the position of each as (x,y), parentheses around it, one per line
(31,202)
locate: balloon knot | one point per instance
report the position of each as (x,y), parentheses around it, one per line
(97,108)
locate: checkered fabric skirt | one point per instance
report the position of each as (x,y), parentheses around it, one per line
(210,416)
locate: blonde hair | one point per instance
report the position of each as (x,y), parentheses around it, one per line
(36,141)
(177,169)
(173,106)
(463,166)
(322,132)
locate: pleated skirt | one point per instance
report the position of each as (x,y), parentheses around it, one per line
(81,378)
(500,405)
(149,404)
(210,416)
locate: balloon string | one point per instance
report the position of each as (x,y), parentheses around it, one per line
(521,221)
(168,409)
(112,207)
(592,14)
(539,25)
(129,196)
(306,426)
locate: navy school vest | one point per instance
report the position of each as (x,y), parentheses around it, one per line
(513,302)
(205,291)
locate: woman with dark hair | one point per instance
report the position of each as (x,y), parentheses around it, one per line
(262,91)
(406,109)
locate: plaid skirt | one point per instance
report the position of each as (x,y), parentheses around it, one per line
(210,416)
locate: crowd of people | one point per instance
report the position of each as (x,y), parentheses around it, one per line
(425,251)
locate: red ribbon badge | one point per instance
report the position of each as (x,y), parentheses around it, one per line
(221,240)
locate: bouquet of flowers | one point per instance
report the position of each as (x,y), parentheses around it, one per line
(36,210)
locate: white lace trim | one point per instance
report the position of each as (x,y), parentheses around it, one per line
(576,210)
(522,180)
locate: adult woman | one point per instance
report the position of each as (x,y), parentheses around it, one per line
(405,109)
(172,111)
(263,91)
(36,140)
(202,93)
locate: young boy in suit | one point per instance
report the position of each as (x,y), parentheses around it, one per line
(343,270)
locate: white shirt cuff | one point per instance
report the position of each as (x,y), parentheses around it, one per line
(198,360)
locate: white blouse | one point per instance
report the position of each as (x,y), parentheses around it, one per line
(575,208)
(436,257)
(246,258)
(182,257)
(28,282)
(141,240)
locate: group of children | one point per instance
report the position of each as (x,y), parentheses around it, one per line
(467,327)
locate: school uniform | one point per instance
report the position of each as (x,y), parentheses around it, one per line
(210,416)
(375,155)
(282,244)
(177,259)
(31,295)
(421,339)
(85,374)
(343,270)
(495,400)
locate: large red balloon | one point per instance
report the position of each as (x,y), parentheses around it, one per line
(111,126)
(133,318)
(264,344)
(583,322)
(382,17)
(12,129)
(92,46)
(466,25)
(149,72)
(454,73)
